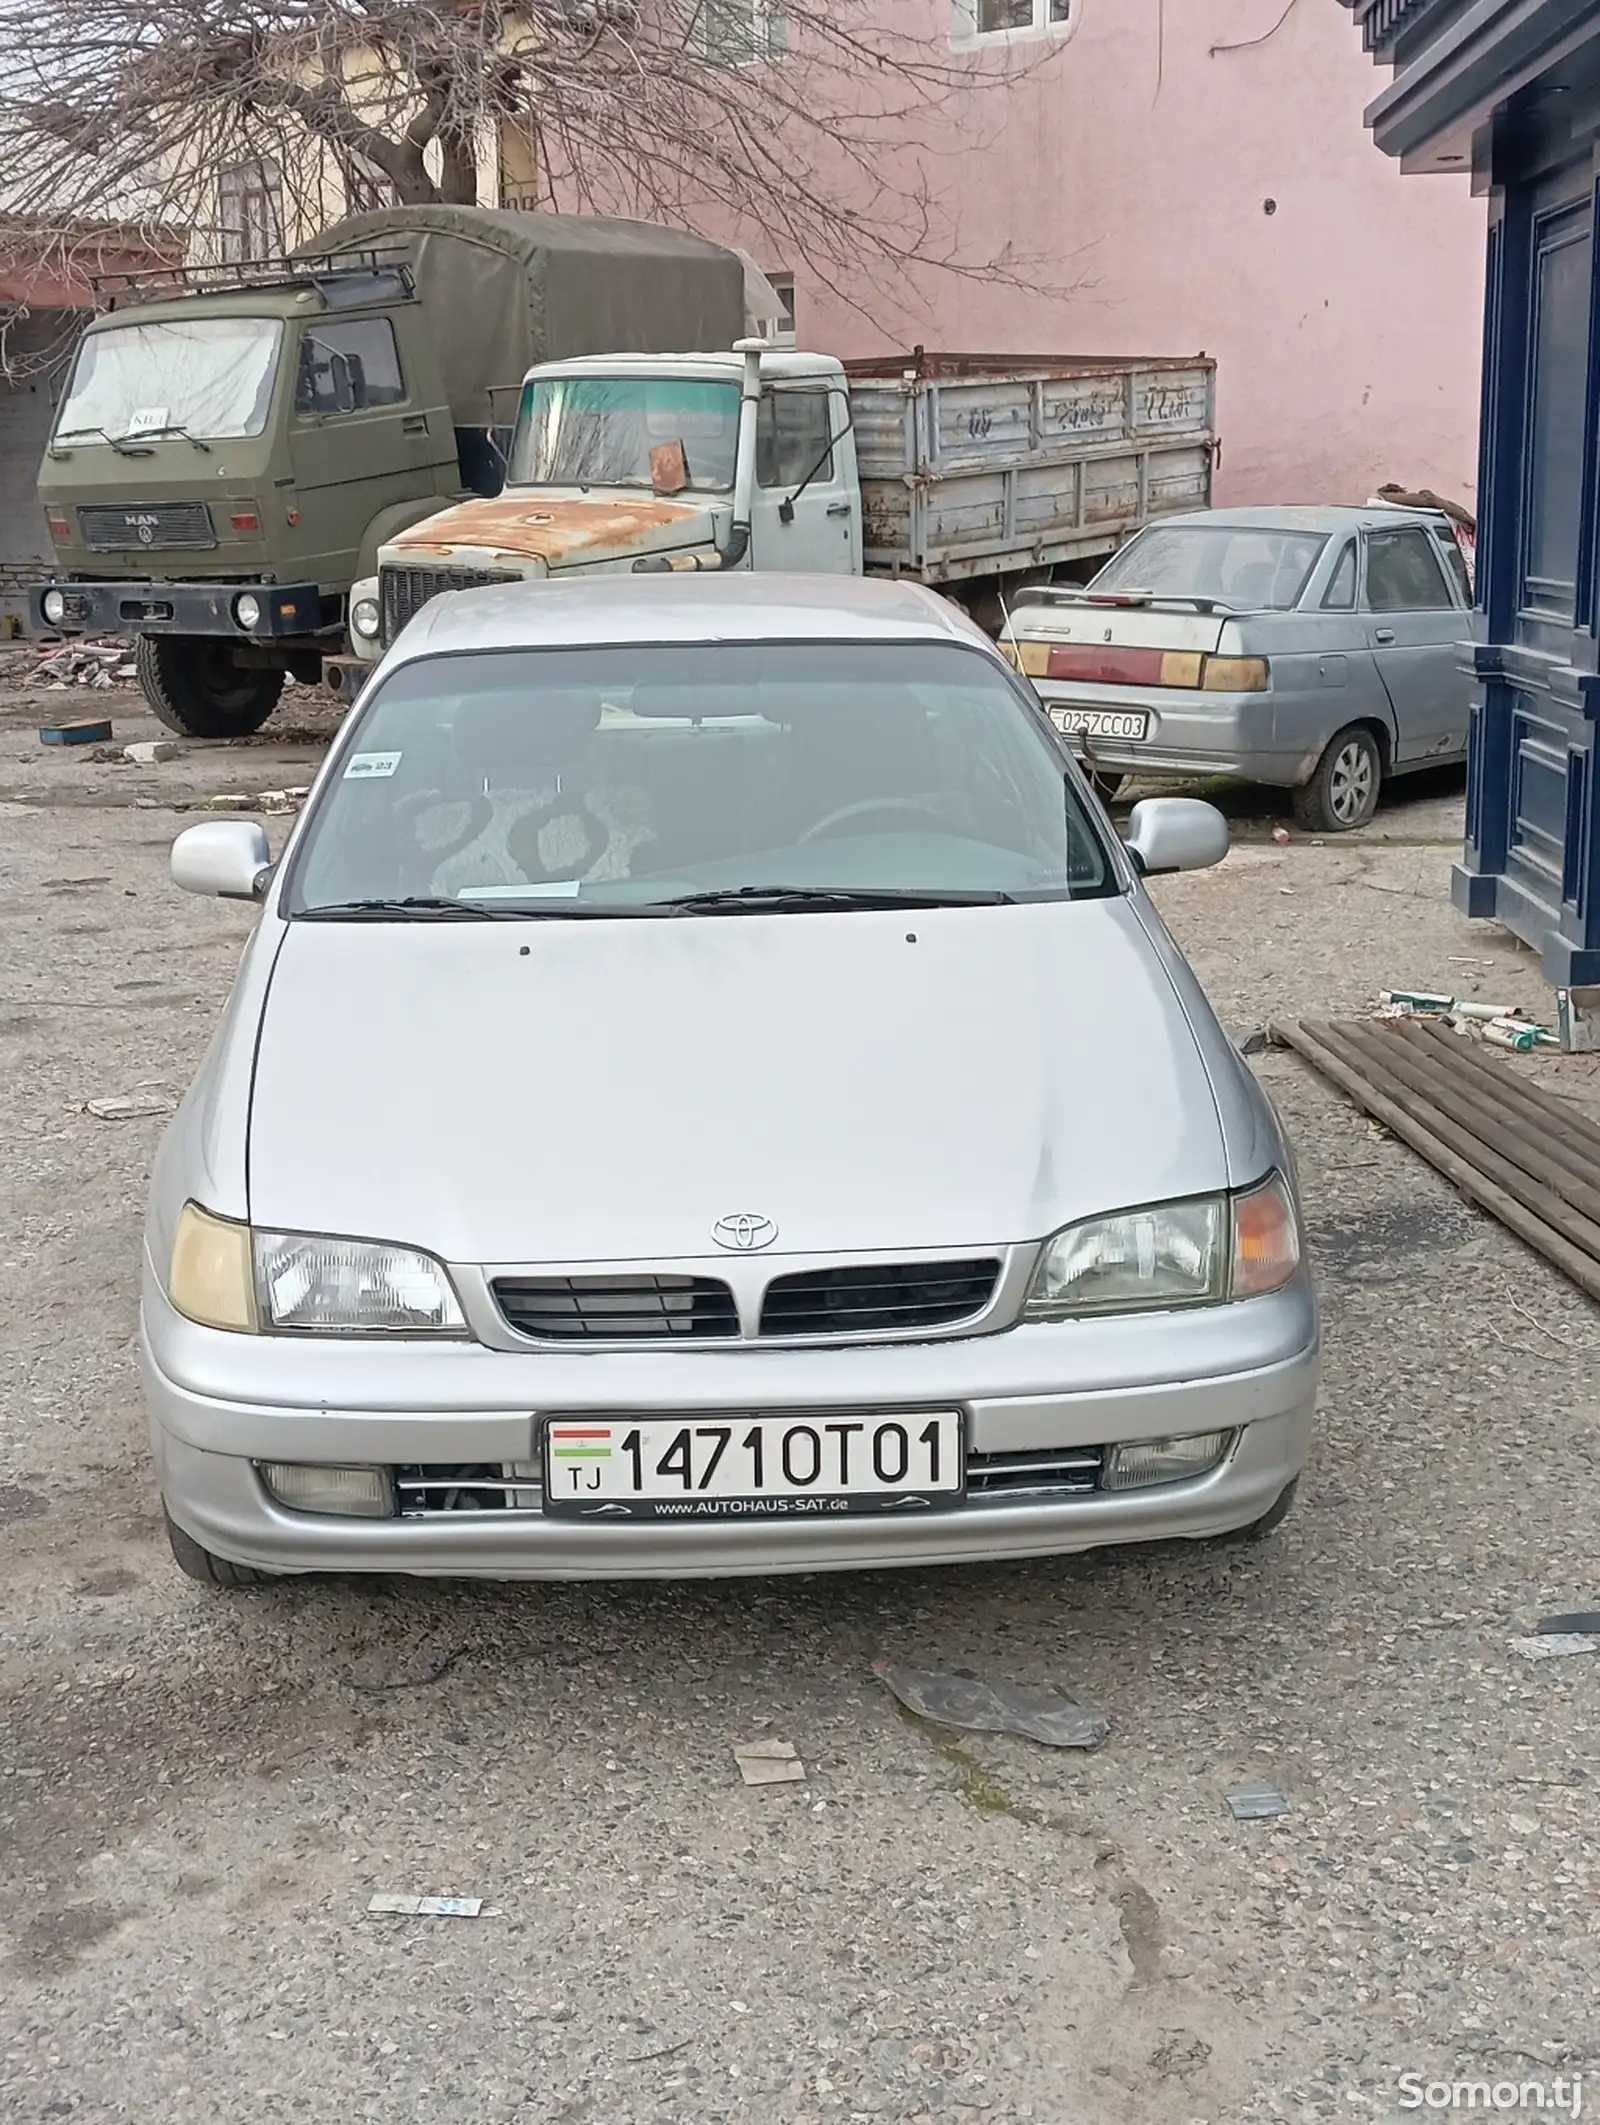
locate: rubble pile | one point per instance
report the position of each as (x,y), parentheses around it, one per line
(85,664)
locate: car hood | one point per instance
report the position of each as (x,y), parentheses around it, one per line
(570,1091)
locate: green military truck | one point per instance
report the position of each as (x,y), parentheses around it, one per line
(235,445)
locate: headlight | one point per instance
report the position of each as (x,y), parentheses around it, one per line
(1191,1253)
(223,1275)
(247,611)
(54,606)
(352,1287)
(1173,1254)
(364,619)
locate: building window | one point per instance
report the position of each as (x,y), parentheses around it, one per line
(739,32)
(979,22)
(780,331)
(250,204)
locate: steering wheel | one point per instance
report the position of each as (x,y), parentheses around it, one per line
(861,808)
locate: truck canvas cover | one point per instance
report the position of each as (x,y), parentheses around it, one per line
(510,289)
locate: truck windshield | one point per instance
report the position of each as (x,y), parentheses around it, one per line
(202,376)
(686,777)
(599,431)
(1250,567)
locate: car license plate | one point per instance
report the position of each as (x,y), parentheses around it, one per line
(1101,722)
(749,1467)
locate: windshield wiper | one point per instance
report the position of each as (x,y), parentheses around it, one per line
(418,907)
(170,428)
(780,899)
(119,443)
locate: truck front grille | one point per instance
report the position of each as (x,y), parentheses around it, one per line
(402,592)
(152,527)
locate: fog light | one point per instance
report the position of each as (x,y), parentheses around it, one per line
(247,611)
(360,1493)
(54,606)
(1149,1461)
(364,618)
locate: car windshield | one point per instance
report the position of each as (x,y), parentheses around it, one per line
(1251,569)
(626,779)
(581,431)
(207,377)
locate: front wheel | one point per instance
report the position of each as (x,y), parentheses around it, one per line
(200,689)
(195,1561)
(1274,1516)
(1343,793)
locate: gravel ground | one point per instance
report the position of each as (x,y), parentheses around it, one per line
(198,1793)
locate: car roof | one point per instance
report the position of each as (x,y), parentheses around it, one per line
(740,607)
(1324,517)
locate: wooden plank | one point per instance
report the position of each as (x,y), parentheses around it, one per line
(1564,1121)
(1573,1226)
(1469,1099)
(1461,1172)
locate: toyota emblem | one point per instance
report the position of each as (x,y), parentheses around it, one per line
(744,1231)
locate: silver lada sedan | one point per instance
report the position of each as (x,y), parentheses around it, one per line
(1318,649)
(708,1093)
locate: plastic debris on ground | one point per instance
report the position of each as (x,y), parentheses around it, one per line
(966,1701)
(85,731)
(769,1763)
(427,1906)
(150,752)
(1499,1025)
(1255,1803)
(1555,1645)
(1585,1623)
(1280,835)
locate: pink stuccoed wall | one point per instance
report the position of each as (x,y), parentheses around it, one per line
(1345,322)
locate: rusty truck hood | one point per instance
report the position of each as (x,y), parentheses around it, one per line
(561,531)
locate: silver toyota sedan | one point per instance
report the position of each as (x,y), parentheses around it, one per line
(708,1093)
(1318,649)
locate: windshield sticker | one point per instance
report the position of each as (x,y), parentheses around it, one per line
(364,766)
(145,418)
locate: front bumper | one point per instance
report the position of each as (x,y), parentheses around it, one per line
(219,1404)
(1188,733)
(132,607)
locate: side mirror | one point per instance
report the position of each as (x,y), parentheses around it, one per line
(225,858)
(1175,834)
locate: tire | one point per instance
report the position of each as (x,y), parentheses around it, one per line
(1274,1516)
(197,1562)
(1343,793)
(198,689)
(1104,783)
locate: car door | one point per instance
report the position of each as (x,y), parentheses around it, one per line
(1414,621)
(801,457)
(360,440)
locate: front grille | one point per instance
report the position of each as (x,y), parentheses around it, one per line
(402,592)
(425,1491)
(151,527)
(436,1490)
(877,1298)
(1053,1472)
(578,1309)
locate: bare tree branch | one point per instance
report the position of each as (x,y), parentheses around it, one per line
(818,133)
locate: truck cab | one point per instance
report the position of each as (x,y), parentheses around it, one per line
(220,460)
(632,463)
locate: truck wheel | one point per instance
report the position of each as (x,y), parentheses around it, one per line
(200,691)
(1343,793)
